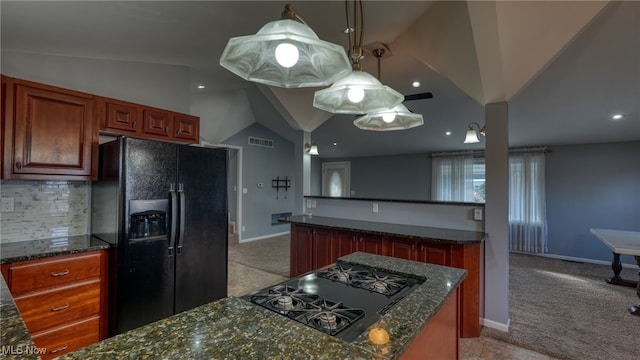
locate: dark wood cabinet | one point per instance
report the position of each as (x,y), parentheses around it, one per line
(186,127)
(62,299)
(301,250)
(369,243)
(402,248)
(344,243)
(49,132)
(314,247)
(322,254)
(157,122)
(117,117)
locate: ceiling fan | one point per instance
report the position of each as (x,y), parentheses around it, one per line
(379,52)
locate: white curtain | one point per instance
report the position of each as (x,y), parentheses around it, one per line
(452,177)
(527,206)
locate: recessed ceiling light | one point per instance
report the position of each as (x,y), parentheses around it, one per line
(447,133)
(416,84)
(201,86)
(335,143)
(617,117)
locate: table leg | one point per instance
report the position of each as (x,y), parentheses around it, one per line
(616,266)
(635,309)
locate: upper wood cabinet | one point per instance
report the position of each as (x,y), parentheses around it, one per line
(118,117)
(48,132)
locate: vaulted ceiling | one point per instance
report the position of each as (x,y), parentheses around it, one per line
(563,67)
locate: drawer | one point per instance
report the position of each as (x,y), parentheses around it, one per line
(53,307)
(69,337)
(35,274)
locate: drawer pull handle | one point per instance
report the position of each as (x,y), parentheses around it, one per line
(61,348)
(61,273)
(61,307)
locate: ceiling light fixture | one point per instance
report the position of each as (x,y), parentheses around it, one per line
(415,84)
(285,53)
(358,92)
(617,117)
(448,133)
(473,135)
(396,118)
(311,149)
(201,86)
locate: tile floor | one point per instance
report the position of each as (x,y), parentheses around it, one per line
(244,279)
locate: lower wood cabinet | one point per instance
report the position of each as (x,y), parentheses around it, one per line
(316,247)
(62,299)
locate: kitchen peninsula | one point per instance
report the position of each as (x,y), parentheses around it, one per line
(318,241)
(236,328)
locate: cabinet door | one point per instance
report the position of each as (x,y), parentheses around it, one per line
(322,252)
(402,248)
(119,116)
(344,243)
(301,250)
(157,122)
(434,254)
(186,127)
(53,133)
(370,243)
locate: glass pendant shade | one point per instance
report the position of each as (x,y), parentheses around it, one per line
(285,53)
(472,137)
(356,93)
(398,118)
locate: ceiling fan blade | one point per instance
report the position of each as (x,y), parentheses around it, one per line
(419,96)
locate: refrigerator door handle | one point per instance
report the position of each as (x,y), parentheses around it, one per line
(181,196)
(174,218)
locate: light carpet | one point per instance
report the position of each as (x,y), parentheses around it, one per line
(567,310)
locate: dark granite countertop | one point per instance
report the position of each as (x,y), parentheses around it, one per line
(13,332)
(233,328)
(35,249)
(449,236)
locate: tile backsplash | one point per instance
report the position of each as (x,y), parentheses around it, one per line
(44,209)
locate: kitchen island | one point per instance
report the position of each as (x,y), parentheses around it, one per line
(318,241)
(233,328)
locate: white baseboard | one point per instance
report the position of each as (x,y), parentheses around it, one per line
(263,237)
(496,325)
(577,259)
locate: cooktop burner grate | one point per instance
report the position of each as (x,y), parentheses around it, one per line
(386,284)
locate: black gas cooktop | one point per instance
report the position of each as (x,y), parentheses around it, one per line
(342,300)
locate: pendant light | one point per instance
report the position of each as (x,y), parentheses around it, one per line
(357,92)
(397,118)
(286,53)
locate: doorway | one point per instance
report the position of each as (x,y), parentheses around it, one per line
(336,179)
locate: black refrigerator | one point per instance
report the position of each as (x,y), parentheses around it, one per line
(163,208)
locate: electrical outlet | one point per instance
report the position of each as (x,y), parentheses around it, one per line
(308,203)
(375,207)
(7,204)
(243,228)
(477,214)
(313,204)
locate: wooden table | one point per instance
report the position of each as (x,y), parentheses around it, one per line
(622,243)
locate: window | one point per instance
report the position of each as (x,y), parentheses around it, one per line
(461,177)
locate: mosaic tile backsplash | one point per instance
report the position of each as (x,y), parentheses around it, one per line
(44,209)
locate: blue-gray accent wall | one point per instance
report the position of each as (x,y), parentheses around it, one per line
(403,177)
(260,165)
(591,186)
(587,186)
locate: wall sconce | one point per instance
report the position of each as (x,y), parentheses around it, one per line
(473,135)
(311,149)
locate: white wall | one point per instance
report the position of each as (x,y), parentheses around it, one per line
(222,114)
(162,86)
